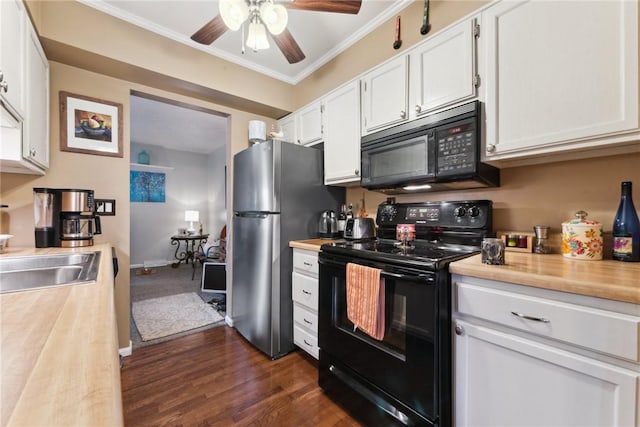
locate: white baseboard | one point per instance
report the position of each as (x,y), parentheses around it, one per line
(152,263)
(229,320)
(126,351)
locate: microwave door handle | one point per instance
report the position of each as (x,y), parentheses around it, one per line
(412,277)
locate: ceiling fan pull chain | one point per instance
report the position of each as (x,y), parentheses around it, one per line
(242,42)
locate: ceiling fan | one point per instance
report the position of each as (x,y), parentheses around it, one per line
(271,14)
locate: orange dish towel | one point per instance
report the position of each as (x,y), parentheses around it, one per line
(365,299)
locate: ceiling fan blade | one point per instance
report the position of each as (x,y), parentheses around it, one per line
(337,6)
(289,47)
(210,31)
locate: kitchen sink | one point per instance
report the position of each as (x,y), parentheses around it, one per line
(41,271)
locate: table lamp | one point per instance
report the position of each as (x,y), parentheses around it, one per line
(191,216)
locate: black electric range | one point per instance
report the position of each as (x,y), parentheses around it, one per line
(404,378)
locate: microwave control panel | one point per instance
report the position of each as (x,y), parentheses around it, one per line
(457,148)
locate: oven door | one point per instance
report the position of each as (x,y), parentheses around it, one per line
(402,367)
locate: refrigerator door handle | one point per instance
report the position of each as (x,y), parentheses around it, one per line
(251,214)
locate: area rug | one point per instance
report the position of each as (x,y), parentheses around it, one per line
(164,316)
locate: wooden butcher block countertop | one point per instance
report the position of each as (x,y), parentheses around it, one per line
(59,351)
(607,279)
(310,244)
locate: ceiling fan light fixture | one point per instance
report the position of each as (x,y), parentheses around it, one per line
(234,13)
(257,37)
(274,17)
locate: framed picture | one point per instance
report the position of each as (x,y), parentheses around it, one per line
(147,186)
(105,207)
(90,125)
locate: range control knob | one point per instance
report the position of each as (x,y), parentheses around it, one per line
(459,211)
(474,211)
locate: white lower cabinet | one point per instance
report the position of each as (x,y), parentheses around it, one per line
(511,370)
(304,281)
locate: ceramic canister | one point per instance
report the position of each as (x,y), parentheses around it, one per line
(582,238)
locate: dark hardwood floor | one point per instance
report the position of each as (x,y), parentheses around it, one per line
(216,378)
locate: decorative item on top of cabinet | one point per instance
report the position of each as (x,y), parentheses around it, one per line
(561,87)
(426,26)
(397,42)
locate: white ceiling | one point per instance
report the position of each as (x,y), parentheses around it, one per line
(176,127)
(321,35)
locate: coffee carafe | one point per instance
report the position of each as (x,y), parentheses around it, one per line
(65,217)
(77,218)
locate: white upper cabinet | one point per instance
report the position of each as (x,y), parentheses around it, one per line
(12,48)
(342,135)
(35,146)
(384,95)
(309,124)
(287,125)
(443,69)
(560,76)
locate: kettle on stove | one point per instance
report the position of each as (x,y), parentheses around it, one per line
(328,225)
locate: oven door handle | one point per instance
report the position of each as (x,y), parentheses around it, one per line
(411,277)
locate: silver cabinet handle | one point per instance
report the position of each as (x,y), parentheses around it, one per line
(306,321)
(535,319)
(307,343)
(459,330)
(308,264)
(4,86)
(491,148)
(32,152)
(403,114)
(1,76)
(356,172)
(418,108)
(306,292)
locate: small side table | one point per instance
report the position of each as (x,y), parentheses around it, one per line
(192,244)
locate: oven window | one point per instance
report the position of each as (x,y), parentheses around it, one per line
(394,341)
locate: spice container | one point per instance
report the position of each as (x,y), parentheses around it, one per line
(582,238)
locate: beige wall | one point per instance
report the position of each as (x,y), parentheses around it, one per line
(377,46)
(107,176)
(542,194)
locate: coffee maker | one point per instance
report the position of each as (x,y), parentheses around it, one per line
(64,217)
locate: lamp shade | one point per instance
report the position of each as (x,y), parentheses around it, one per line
(234,13)
(274,17)
(191,215)
(257,38)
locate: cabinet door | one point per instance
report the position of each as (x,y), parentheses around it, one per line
(12,45)
(443,69)
(287,126)
(504,380)
(309,124)
(558,72)
(384,96)
(35,147)
(342,135)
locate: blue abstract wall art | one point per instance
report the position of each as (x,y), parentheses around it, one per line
(147,187)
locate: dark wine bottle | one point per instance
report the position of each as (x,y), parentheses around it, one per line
(626,228)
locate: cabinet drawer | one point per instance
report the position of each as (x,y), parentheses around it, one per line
(603,331)
(305,261)
(305,290)
(305,318)
(305,341)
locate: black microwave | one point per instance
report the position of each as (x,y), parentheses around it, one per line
(434,153)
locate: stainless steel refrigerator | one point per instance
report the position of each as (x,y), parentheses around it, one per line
(278,196)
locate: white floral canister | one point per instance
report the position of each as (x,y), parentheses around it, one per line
(582,238)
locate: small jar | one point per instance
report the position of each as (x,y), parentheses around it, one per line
(522,241)
(512,240)
(582,238)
